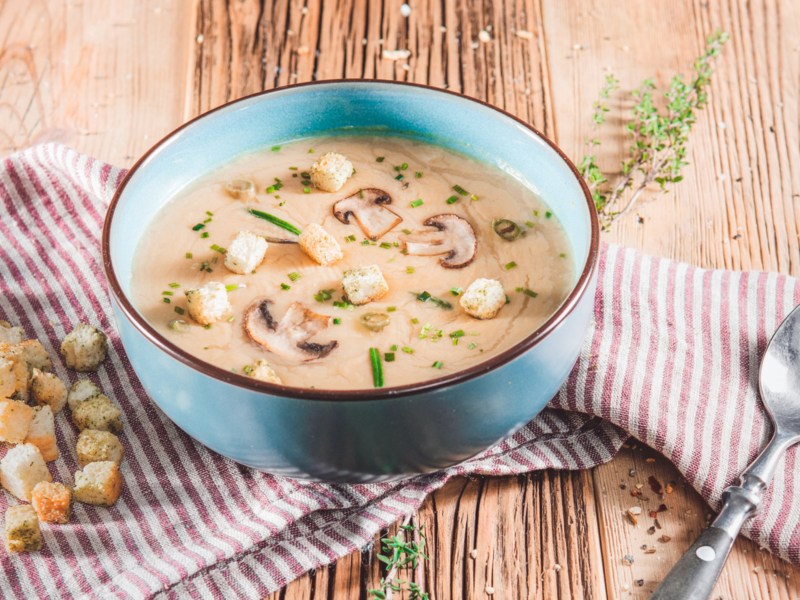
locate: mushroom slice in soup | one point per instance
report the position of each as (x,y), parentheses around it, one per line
(289,337)
(368,206)
(450,235)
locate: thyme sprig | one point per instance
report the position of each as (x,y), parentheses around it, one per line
(398,552)
(659,135)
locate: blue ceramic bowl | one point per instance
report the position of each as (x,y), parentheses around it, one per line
(359,435)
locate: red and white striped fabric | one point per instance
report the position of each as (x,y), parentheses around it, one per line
(672,360)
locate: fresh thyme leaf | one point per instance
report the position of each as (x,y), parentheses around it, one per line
(659,131)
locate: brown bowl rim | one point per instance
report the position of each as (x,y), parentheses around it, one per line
(430,385)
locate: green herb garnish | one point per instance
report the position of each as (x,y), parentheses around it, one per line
(438,364)
(457,333)
(285,286)
(166,300)
(337,321)
(275,148)
(510,265)
(418,175)
(294,275)
(426,297)
(460,191)
(452,199)
(388,356)
(416,203)
(350,238)
(204,235)
(180,310)
(456,291)
(324,295)
(274,220)
(174,285)
(232,287)
(198,227)
(189,255)
(219,249)
(380,159)
(386,245)
(167,293)
(410,270)
(400,177)
(377,367)
(527,292)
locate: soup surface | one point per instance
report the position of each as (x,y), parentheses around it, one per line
(424,339)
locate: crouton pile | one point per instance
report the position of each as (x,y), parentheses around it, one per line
(31,396)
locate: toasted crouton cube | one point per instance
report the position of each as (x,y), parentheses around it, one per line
(8,379)
(81,390)
(364,284)
(99,483)
(97,413)
(13,353)
(35,355)
(22,529)
(262,370)
(96,446)
(52,501)
(42,433)
(84,348)
(245,252)
(47,388)
(15,420)
(9,334)
(21,469)
(320,245)
(331,172)
(483,298)
(209,303)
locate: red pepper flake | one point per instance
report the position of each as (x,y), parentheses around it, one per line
(655,485)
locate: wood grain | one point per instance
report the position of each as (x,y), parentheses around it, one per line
(111,78)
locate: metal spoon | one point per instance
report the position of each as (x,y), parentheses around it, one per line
(779,379)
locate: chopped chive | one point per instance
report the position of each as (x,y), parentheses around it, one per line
(208,220)
(509,265)
(400,177)
(219,249)
(311,151)
(198,227)
(456,291)
(426,297)
(189,255)
(563,255)
(274,220)
(285,286)
(452,199)
(305,175)
(270,189)
(407,349)
(386,245)
(548,215)
(404,166)
(377,367)
(204,235)
(406,231)
(380,159)
(206,327)
(410,270)
(275,148)
(167,293)
(414,321)
(473,197)
(457,333)
(350,238)
(438,364)
(455,341)
(391,308)
(460,191)
(393,347)
(530,224)
(323,295)
(231,287)
(343,304)
(166,300)
(535,213)
(388,356)
(416,203)
(306,190)
(472,346)
(293,169)
(174,285)
(180,310)
(418,175)
(508,299)
(527,292)
(365,242)
(337,321)
(294,275)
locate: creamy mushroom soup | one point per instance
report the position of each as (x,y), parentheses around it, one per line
(420,220)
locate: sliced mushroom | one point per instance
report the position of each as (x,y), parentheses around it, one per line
(451,236)
(368,206)
(289,338)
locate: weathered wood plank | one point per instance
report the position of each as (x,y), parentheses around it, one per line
(106,78)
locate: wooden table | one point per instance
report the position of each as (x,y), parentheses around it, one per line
(111,78)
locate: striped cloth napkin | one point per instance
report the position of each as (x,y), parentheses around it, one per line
(672,360)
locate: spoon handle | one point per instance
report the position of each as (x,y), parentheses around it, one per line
(695,574)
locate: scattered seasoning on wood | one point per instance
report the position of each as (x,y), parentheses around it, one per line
(639,582)
(649,460)
(650,550)
(651,530)
(669,488)
(664,539)
(627,560)
(655,485)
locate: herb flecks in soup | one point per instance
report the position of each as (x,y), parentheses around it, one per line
(371,262)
